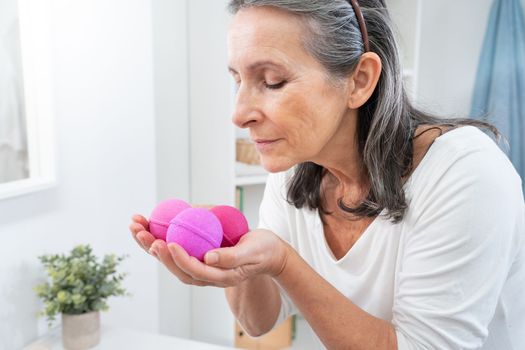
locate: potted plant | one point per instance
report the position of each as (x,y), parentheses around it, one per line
(78,288)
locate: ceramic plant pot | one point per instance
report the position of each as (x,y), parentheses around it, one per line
(80,332)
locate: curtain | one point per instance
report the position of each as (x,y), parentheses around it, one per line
(499,91)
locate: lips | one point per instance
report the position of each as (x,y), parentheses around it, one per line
(265,144)
(264,141)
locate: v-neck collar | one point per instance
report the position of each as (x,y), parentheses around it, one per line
(370,228)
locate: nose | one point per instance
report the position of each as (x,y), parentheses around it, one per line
(246,111)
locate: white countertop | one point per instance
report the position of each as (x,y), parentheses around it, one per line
(112,338)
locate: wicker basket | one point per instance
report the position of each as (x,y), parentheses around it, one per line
(246,152)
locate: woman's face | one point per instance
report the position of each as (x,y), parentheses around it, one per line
(293,112)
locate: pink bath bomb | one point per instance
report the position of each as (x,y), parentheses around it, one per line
(197,230)
(233,222)
(163,213)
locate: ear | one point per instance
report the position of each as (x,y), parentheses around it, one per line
(363,80)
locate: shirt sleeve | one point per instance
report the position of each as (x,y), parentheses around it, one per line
(273,216)
(456,258)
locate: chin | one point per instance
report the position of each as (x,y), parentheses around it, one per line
(276,166)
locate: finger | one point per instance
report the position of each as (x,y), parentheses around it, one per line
(141,220)
(146,239)
(137,240)
(160,250)
(134,235)
(135,228)
(200,271)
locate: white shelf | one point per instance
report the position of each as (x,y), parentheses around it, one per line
(246,174)
(250,180)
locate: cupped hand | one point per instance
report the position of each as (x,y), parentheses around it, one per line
(139,230)
(258,252)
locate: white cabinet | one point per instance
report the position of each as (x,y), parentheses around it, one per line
(214,173)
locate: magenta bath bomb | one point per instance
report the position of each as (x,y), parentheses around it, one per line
(233,222)
(197,230)
(163,213)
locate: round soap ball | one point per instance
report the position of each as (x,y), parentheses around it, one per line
(197,230)
(233,222)
(162,214)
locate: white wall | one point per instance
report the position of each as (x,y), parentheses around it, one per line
(452,34)
(105,164)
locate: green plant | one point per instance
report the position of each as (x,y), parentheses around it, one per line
(79,283)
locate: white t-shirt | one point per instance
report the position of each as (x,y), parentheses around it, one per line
(451,274)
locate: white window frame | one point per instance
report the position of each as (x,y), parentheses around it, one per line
(35,42)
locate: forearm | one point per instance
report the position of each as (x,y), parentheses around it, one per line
(255,303)
(339,323)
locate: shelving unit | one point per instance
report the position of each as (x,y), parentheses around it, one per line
(215,174)
(249,175)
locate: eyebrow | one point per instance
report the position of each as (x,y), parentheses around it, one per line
(257,65)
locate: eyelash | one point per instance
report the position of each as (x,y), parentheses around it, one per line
(275,86)
(268,86)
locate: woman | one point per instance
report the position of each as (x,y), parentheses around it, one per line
(383,226)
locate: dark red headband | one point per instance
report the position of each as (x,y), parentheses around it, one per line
(361,21)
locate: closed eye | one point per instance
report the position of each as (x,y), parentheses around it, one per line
(275,86)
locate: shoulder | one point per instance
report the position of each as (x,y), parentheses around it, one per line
(465,180)
(467,187)
(466,193)
(465,155)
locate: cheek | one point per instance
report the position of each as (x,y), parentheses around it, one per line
(306,123)
(306,115)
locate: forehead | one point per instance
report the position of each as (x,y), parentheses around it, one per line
(265,33)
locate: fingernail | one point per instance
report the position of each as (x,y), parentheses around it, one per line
(212,258)
(153,252)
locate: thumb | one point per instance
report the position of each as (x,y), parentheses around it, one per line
(227,258)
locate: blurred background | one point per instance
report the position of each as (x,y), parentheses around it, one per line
(108,107)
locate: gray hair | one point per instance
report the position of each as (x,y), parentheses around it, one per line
(386,122)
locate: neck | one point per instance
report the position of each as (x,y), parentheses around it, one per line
(345,172)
